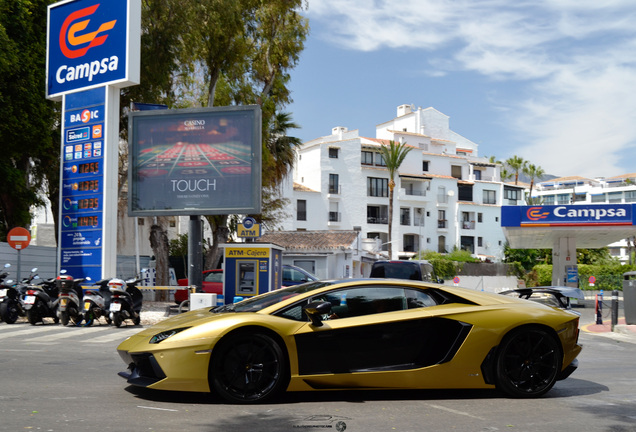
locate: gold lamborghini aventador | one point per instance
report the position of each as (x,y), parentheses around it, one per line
(358,334)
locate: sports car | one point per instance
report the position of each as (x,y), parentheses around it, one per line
(358,334)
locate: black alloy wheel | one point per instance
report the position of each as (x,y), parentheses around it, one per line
(528,363)
(248,368)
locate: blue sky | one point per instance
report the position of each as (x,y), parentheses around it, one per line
(551,81)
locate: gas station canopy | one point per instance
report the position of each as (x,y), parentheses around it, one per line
(592,226)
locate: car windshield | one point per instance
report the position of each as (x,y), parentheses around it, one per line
(257,303)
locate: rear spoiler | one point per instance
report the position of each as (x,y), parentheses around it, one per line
(562,294)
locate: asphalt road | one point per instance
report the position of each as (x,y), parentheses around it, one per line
(57,378)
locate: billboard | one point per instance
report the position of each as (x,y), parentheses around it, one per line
(201,161)
(92,43)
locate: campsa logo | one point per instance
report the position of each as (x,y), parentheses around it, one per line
(576,213)
(77,37)
(537,213)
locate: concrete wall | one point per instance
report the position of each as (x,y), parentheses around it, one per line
(45,259)
(493,284)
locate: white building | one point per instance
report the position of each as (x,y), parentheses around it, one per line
(580,190)
(445,196)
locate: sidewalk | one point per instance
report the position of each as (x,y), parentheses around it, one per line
(606,327)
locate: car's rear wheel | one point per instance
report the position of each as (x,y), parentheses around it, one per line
(248,368)
(528,362)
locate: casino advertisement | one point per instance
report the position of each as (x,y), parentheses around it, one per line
(195,161)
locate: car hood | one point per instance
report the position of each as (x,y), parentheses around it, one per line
(189,319)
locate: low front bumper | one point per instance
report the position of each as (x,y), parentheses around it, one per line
(143,370)
(567,371)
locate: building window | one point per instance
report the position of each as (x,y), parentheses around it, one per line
(467,243)
(490,197)
(418,217)
(442,198)
(405,216)
(480,241)
(597,198)
(301,210)
(480,217)
(441,219)
(377,187)
(630,196)
(334,187)
(409,243)
(441,244)
(366,158)
(425,166)
(465,192)
(456,171)
(379,159)
(378,215)
(477,174)
(333,153)
(563,198)
(512,194)
(548,199)
(615,197)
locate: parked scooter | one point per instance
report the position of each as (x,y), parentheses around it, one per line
(70,298)
(5,273)
(126,301)
(97,303)
(11,306)
(41,301)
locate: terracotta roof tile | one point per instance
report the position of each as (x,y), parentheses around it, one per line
(310,240)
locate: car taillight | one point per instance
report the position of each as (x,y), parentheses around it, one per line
(31,292)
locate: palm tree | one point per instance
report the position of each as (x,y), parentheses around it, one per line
(534,172)
(516,164)
(393,155)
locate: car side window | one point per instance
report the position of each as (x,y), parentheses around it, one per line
(214,277)
(418,299)
(294,312)
(361,301)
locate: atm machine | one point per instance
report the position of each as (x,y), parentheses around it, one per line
(251,269)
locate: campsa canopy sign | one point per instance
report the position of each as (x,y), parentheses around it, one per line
(569,215)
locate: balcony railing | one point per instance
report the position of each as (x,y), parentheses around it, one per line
(334,189)
(468,225)
(378,220)
(442,223)
(334,216)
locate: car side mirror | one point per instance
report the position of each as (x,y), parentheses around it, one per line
(315,310)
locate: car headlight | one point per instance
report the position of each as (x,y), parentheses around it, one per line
(160,337)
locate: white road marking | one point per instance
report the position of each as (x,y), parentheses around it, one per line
(456,412)
(158,409)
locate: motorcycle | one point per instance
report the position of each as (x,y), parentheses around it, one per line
(11,306)
(126,301)
(41,301)
(70,297)
(97,303)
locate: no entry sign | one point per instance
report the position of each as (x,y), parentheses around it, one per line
(19,238)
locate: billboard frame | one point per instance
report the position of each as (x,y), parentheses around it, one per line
(134,153)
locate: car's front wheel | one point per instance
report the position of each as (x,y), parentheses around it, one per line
(528,363)
(248,368)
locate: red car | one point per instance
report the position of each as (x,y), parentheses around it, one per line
(212,283)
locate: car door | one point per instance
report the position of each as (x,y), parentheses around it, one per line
(376,328)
